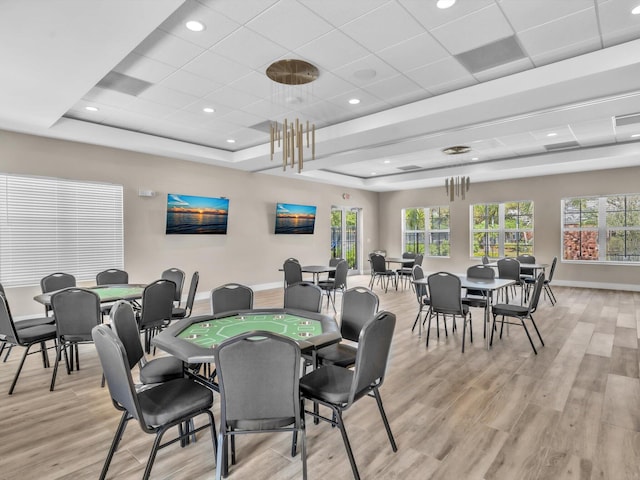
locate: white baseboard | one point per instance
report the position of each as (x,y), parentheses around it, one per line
(629,287)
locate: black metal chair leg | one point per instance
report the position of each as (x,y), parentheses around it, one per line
(376,394)
(15,378)
(114,444)
(347,444)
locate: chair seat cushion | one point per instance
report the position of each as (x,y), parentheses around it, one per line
(510,310)
(327,284)
(172,400)
(38,333)
(328,383)
(178,312)
(33,322)
(339,354)
(160,370)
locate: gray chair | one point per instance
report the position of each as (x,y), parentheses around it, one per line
(185,312)
(526,272)
(258,374)
(445,293)
(380,271)
(156,370)
(359,305)
(547,283)
(19,325)
(156,409)
(338,282)
(478,298)
(509,268)
(76,311)
(339,388)
(292,272)
(520,312)
(157,308)
(56,281)
(112,276)
(231,297)
(26,337)
(177,277)
(421,295)
(485,259)
(405,272)
(333,262)
(303,296)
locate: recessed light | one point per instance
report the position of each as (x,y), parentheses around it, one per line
(445,3)
(92,109)
(475,158)
(208,110)
(373,173)
(387,161)
(230,140)
(354,101)
(552,134)
(194,26)
(635,135)
(636,11)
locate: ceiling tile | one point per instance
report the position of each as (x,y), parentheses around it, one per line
(365,71)
(167,96)
(249,48)
(439,73)
(168,49)
(395,88)
(384,26)
(216,67)
(527,14)
(504,70)
(240,12)
(332,50)
(187,82)
(487,25)
(339,12)
(429,15)
(144,68)
(413,53)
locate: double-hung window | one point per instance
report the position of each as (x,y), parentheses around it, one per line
(601,229)
(425,230)
(502,229)
(50,225)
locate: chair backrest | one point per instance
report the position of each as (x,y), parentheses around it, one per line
(193,288)
(481,271)
(509,268)
(292,271)
(378,263)
(340,278)
(359,305)
(303,296)
(231,297)
(418,274)
(157,303)
(115,366)
(411,255)
(177,277)
(113,276)
(77,311)
(535,296)
(123,322)
(419,259)
(57,281)
(445,293)
(552,269)
(372,357)
(333,262)
(524,259)
(485,259)
(7,328)
(258,374)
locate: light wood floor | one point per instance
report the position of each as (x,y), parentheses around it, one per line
(571,412)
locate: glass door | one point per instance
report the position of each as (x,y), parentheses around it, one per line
(345,234)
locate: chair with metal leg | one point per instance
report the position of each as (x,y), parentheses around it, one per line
(184,312)
(54,282)
(157,308)
(338,388)
(445,293)
(421,295)
(303,296)
(231,297)
(156,409)
(338,282)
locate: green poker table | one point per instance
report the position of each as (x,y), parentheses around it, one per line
(107,293)
(194,339)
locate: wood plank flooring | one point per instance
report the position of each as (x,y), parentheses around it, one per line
(571,412)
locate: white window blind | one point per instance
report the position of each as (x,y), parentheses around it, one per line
(52,225)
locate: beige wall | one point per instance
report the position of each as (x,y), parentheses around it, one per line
(546,193)
(250,253)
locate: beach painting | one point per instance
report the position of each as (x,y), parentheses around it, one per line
(188,214)
(295,219)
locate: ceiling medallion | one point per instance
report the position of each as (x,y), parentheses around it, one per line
(291,135)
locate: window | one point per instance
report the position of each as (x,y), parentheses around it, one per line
(426,231)
(601,229)
(52,225)
(502,229)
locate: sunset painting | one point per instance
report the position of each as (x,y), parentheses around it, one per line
(187,214)
(295,219)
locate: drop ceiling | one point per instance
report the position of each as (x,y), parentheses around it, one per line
(532,86)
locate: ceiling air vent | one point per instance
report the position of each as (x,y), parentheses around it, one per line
(561,146)
(262,126)
(123,84)
(491,55)
(406,168)
(630,119)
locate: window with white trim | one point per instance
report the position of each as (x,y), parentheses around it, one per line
(50,225)
(502,229)
(601,229)
(425,230)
